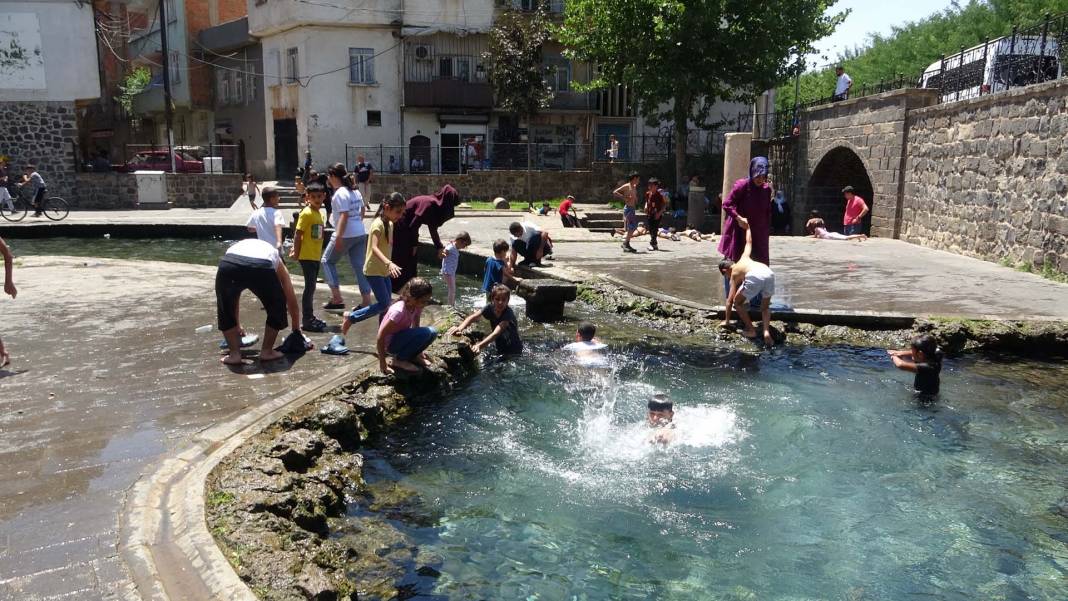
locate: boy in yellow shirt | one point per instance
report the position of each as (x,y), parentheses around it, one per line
(308,250)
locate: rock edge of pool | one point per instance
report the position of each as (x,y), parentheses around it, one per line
(281,507)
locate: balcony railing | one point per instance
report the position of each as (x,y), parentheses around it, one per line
(448,93)
(575,101)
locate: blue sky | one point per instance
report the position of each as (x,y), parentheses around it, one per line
(872,16)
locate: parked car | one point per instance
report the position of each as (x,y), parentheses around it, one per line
(158,160)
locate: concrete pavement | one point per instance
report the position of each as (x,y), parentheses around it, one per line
(107,379)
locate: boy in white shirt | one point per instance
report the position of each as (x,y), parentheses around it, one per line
(267,221)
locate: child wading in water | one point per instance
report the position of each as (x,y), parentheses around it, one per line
(501,318)
(379,266)
(451,260)
(308,251)
(924,359)
(400,334)
(497,268)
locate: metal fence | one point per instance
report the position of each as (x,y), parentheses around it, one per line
(206,158)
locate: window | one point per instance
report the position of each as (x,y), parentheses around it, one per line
(239,85)
(251,86)
(176,68)
(361,65)
(222,88)
(292,66)
(374,118)
(272,70)
(558,74)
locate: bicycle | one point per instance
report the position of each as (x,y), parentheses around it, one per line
(53,207)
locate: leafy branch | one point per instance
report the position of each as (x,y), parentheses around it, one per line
(134,83)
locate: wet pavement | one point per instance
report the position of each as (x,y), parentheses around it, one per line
(107,378)
(878,275)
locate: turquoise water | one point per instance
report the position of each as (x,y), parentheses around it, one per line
(801,474)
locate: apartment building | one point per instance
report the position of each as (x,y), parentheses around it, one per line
(48,65)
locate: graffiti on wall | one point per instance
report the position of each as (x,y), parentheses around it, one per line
(21,61)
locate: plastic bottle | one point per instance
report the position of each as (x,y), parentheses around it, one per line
(204,329)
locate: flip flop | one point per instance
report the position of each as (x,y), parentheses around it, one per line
(336,346)
(246,341)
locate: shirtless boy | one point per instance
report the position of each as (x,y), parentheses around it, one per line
(661,419)
(628,193)
(748,279)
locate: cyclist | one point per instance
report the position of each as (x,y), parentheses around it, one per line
(37,187)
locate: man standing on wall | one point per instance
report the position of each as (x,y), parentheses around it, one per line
(843,85)
(855,210)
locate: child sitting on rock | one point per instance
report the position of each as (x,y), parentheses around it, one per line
(400,336)
(505,326)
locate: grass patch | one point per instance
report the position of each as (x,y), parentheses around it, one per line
(220,498)
(1047,270)
(516,204)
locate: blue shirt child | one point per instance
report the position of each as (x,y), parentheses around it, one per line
(494,273)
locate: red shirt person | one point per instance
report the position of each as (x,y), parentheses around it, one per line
(568,216)
(855,210)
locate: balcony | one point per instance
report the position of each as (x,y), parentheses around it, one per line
(448,93)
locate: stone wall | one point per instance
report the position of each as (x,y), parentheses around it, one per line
(860,143)
(988,177)
(41,133)
(118,191)
(593,186)
(203,191)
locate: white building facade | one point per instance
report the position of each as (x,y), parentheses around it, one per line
(48,61)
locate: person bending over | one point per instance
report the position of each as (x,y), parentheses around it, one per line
(254,265)
(749,278)
(529,242)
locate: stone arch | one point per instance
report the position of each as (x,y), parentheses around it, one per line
(841,166)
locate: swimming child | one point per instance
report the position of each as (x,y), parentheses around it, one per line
(497,268)
(451,260)
(661,418)
(505,326)
(308,251)
(748,279)
(378,266)
(400,336)
(586,348)
(924,358)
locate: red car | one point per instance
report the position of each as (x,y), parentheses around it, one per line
(157,160)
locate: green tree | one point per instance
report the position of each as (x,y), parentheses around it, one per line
(680,57)
(135,82)
(514,62)
(910,48)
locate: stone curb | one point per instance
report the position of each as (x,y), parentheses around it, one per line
(163,535)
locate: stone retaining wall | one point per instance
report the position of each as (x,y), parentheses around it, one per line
(587,186)
(41,133)
(988,177)
(118,191)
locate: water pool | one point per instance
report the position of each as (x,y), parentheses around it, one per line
(801,474)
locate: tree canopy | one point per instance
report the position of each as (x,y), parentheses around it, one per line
(514,62)
(680,57)
(910,48)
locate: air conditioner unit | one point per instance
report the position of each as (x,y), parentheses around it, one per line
(423,52)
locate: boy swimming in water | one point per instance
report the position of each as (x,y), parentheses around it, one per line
(586,349)
(661,419)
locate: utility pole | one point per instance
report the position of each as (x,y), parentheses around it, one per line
(168,112)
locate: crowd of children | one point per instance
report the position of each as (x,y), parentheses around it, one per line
(401,339)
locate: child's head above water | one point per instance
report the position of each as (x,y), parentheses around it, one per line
(925,349)
(661,410)
(586,331)
(500,247)
(499,296)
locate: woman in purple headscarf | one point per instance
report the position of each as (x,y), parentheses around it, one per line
(749,201)
(431,211)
